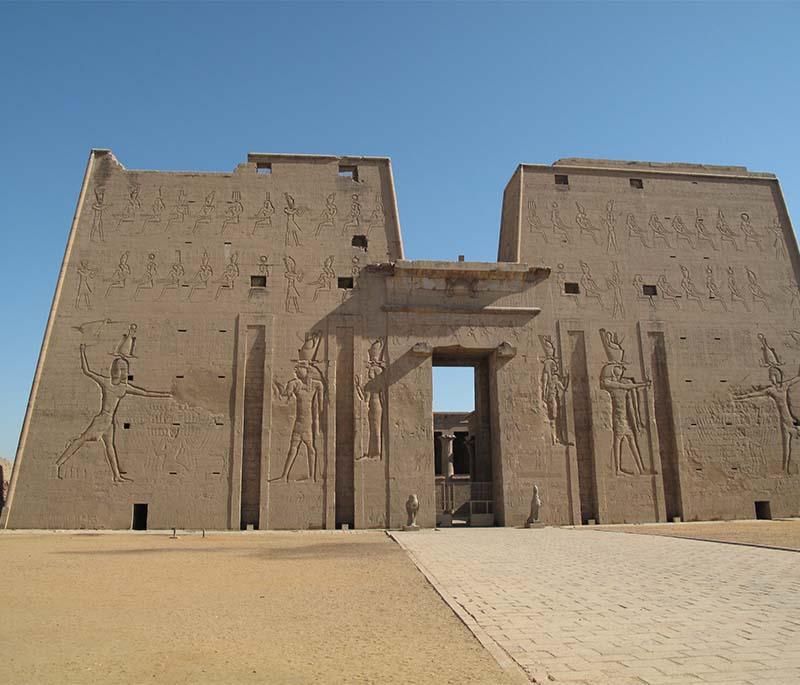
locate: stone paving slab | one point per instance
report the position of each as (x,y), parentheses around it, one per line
(593,607)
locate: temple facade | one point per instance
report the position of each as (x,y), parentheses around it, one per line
(252,350)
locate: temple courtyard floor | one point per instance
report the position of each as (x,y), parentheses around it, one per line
(588,605)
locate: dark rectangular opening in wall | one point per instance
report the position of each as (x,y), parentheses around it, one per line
(572,289)
(345,282)
(264,168)
(255,351)
(345,430)
(763,510)
(637,183)
(665,426)
(126,426)
(258,281)
(139,517)
(130,377)
(359,241)
(348,171)
(562,180)
(650,290)
(582,418)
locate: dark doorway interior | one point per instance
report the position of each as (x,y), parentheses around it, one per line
(763,510)
(139,517)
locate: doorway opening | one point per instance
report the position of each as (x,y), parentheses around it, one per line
(763,510)
(139,517)
(461,441)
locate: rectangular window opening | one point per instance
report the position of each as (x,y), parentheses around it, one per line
(263,168)
(178,376)
(637,183)
(126,425)
(228,242)
(763,510)
(139,521)
(562,180)
(572,289)
(345,282)
(258,282)
(359,241)
(130,377)
(348,171)
(182,330)
(650,290)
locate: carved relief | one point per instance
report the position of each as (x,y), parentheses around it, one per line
(638,287)
(559,227)
(667,292)
(328,218)
(756,291)
(234,211)
(157,210)
(561,280)
(292,211)
(202,277)
(148,280)
(585,224)
(263,217)
(355,272)
(354,220)
(634,230)
(373,393)
(460,285)
(689,289)
(778,243)
(121,273)
(324,282)
(659,230)
(131,208)
(113,388)
(229,275)
(713,289)
(793,290)
(749,233)
(733,288)
(98,207)
(778,391)
(704,234)
(293,277)
(206,211)
(726,233)
(377,219)
(614,285)
(609,221)
(681,231)
(535,224)
(307,388)
(181,210)
(86,274)
(589,286)
(626,416)
(553,384)
(175,276)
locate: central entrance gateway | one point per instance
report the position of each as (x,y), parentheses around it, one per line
(462,438)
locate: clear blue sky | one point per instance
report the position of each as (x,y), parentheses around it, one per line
(457,94)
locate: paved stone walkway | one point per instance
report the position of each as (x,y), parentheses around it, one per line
(585,606)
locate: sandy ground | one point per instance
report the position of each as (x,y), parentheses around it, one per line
(784,534)
(257,608)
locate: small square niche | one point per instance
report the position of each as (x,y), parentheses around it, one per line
(562,180)
(348,171)
(649,290)
(345,282)
(637,183)
(258,281)
(572,289)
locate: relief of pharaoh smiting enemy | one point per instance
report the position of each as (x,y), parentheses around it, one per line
(113,389)
(776,390)
(626,404)
(307,388)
